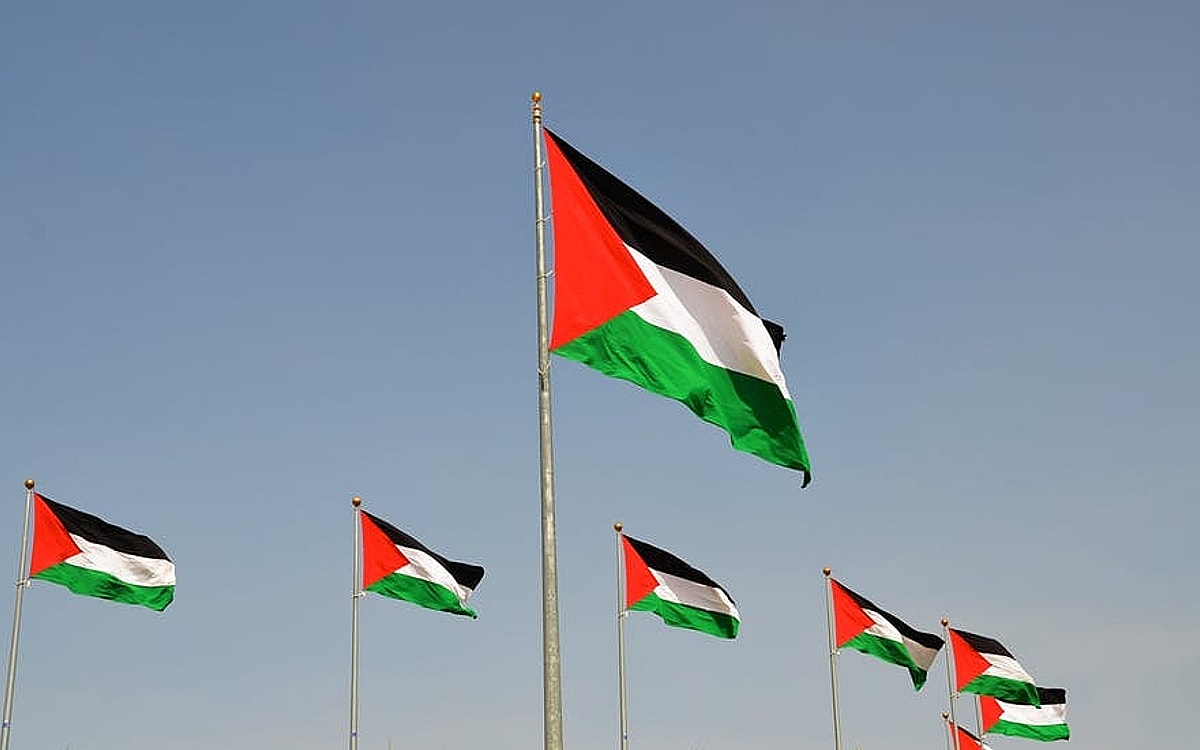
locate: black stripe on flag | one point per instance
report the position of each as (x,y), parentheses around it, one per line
(99,531)
(983,644)
(665,562)
(1052,696)
(643,225)
(465,573)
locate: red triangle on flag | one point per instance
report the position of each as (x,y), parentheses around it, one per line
(381,557)
(595,277)
(52,543)
(639,581)
(849,619)
(990,710)
(968,663)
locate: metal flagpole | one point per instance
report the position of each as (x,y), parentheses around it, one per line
(22,583)
(356,594)
(979,719)
(622,612)
(950,683)
(829,622)
(551,663)
(951,735)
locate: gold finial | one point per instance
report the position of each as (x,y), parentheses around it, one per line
(536,97)
(29,484)
(945,621)
(827,570)
(945,715)
(356,501)
(618,525)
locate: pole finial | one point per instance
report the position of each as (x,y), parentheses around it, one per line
(536,97)
(826,570)
(945,621)
(618,526)
(29,483)
(945,715)
(356,501)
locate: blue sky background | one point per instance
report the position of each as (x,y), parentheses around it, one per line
(260,257)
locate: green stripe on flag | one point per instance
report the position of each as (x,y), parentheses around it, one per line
(682,616)
(420,592)
(754,412)
(106,586)
(890,651)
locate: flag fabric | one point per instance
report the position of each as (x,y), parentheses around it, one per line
(396,565)
(684,597)
(1047,723)
(984,667)
(860,625)
(966,740)
(639,298)
(92,557)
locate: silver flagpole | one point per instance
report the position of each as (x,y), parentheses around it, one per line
(356,594)
(951,734)
(833,684)
(551,662)
(950,684)
(22,583)
(979,719)
(621,613)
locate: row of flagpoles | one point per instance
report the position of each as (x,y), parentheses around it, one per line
(974,664)
(95,558)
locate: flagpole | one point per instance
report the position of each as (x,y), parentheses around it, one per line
(22,583)
(356,594)
(979,719)
(621,614)
(951,735)
(833,683)
(551,662)
(950,683)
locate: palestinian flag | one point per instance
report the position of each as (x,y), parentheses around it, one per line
(639,298)
(984,667)
(966,740)
(860,625)
(659,582)
(92,557)
(1046,724)
(400,567)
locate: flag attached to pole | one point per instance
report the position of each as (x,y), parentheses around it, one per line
(684,597)
(966,740)
(862,626)
(1046,724)
(639,298)
(984,667)
(398,566)
(92,557)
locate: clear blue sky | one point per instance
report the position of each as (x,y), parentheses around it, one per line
(260,257)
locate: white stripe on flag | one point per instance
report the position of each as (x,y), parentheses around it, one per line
(131,569)
(682,591)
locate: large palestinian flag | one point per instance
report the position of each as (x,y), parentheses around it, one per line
(92,557)
(984,667)
(639,298)
(860,625)
(659,582)
(398,566)
(1047,723)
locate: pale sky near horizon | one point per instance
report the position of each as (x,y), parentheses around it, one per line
(261,257)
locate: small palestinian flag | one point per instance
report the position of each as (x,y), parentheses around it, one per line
(984,667)
(639,298)
(659,582)
(1046,724)
(966,740)
(860,625)
(397,566)
(92,557)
